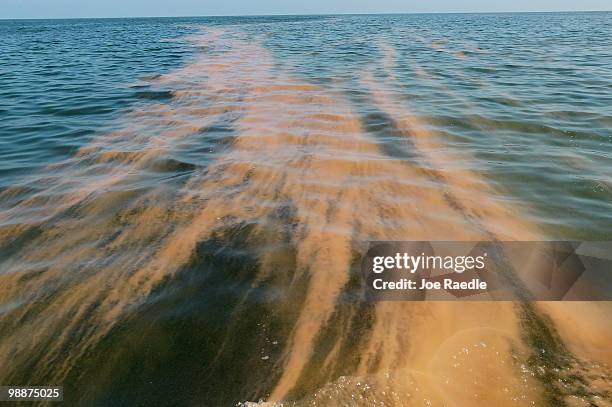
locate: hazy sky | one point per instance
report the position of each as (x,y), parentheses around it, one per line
(121,8)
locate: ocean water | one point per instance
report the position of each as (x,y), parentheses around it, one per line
(183,202)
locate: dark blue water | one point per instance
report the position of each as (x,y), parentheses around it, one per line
(62,80)
(183,201)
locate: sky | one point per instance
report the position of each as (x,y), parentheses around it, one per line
(144,8)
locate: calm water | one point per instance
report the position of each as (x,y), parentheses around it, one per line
(183,202)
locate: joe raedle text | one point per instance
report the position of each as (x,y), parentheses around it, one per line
(447,284)
(391,273)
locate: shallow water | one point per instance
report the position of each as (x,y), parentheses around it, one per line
(184,203)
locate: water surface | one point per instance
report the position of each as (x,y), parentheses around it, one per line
(184,203)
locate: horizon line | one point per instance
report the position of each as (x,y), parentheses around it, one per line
(310,15)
